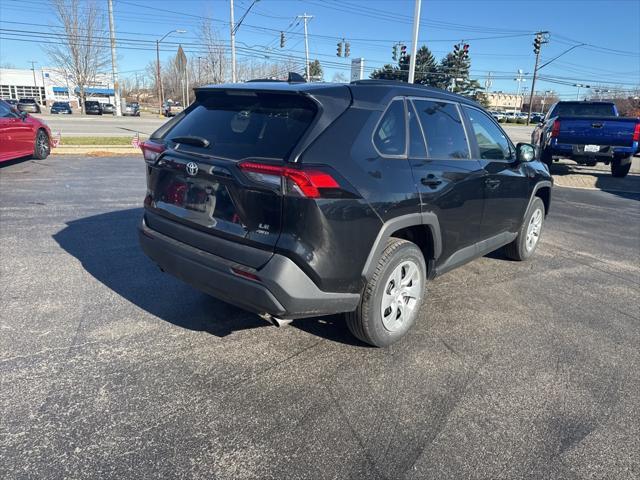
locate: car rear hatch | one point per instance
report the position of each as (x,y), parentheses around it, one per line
(612,131)
(198,191)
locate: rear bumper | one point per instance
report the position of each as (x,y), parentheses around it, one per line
(607,152)
(283,290)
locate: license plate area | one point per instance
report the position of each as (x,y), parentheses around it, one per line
(592,148)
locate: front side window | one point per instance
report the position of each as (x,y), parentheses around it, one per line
(390,136)
(492,142)
(443,130)
(5,111)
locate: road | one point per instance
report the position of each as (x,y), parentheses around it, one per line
(111,369)
(101,126)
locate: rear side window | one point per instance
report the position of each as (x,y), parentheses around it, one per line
(246,124)
(390,136)
(443,129)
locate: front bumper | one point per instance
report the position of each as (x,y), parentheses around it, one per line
(282,290)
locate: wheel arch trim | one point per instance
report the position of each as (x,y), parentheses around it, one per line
(427,219)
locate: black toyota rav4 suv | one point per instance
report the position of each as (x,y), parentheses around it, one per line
(296,200)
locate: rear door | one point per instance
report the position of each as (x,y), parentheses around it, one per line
(506,182)
(450,182)
(197,192)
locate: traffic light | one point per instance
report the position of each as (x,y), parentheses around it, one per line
(282,39)
(403,52)
(537,43)
(465,51)
(395,52)
(339,49)
(347,49)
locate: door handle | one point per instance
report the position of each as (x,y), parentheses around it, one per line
(430,181)
(492,183)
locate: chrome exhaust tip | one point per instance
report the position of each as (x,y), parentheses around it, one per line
(278,322)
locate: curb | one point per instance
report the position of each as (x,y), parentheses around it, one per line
(95,149)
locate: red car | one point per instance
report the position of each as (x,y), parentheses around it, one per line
(22,135)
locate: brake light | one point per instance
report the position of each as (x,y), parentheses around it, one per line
(304,182)
(636,133)
(151,150)
(555,130)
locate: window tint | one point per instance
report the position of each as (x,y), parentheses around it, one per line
(417,148)
(246,124)
(390,136)
(443,129)
(582,109)
(492,143)
(5,111)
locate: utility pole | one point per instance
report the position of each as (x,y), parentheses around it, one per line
(306,18)
(537,43)
(414,42)
(520,78)
(35,84)
(114,58)
(233,42)
(160,100)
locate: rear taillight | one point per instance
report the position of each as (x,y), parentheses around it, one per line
(311,183)
(636,133)
(151,150)
(555,130)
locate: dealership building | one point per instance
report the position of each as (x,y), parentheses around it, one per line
(47,85)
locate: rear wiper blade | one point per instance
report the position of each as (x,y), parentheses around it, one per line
(192,140)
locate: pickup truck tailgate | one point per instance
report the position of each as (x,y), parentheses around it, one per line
(612,131)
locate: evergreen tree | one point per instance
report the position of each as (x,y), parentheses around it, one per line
(315,71)
(454,73)
(426,69)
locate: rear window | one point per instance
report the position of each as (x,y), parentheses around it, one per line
(27,100)
(584,110)
(246,124)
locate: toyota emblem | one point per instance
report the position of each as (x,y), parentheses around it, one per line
(192,168)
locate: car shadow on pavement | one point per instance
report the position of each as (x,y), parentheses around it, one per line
(107,247)
(598,177)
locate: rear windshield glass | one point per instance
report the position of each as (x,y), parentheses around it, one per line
(246,124)
(584,110)
(27,100)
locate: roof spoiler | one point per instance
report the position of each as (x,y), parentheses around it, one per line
(292,78)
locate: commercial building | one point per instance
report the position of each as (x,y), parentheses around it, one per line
(47,85)
(504,101)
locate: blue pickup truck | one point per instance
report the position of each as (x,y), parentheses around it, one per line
(588,132)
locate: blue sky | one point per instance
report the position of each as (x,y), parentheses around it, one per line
(499,32)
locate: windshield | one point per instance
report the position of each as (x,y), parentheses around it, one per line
(579,109)
(247,124)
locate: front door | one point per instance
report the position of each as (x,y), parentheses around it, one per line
(450,182)
(506,181)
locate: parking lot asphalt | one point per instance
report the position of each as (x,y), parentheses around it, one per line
(111,369)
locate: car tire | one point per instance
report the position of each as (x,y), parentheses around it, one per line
(547,158)
(42,145)
(401,263)
(525,244)
(618,170)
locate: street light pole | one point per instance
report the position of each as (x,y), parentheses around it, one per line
(233,43)
(305,18)
(414,41)
(114,65)
(35,84)
(160,91)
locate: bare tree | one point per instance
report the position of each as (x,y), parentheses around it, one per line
(215,60)
(82,52)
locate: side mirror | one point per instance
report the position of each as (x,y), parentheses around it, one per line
(23,115)
(525,152)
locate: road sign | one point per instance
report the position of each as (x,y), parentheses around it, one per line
(357,69)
